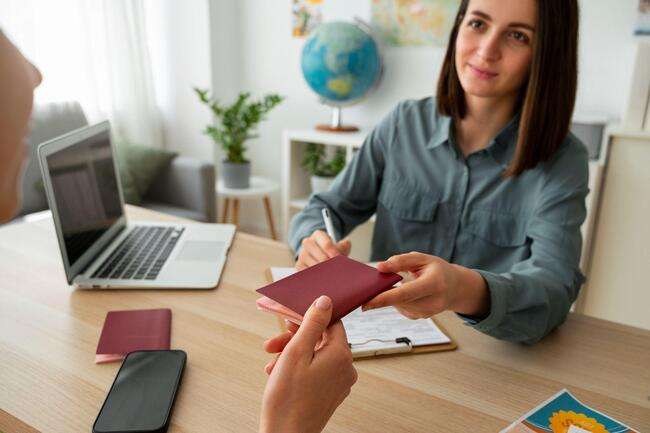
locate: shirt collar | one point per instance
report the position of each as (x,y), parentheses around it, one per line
(441,132)
(502,147)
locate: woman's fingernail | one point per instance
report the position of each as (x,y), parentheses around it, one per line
(324,303)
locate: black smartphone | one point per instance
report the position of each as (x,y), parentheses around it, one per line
(143,393)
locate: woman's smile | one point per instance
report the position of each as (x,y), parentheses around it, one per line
(482,73)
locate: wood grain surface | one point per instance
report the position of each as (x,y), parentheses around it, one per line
(49,333)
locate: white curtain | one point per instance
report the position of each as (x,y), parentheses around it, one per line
(92,51)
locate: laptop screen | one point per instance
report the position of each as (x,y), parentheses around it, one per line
(86,192)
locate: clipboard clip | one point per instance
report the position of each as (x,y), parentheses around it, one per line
(398,345)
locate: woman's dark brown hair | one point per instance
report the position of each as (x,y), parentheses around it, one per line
(546,100)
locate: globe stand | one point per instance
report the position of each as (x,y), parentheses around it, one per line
(335,125)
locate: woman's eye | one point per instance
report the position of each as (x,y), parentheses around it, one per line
(519,37)
(476,24)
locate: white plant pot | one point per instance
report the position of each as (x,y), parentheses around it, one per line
(320,184)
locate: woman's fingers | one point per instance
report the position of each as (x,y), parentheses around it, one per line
(344,247)
(311,260)
(390,297)
(310,246)
(408,313)
(319,247)
(268,368)
(407,292)
(317,318)
(325,243)
(335,334)
(405,262)
(278,343)
(291,327)
(305,260)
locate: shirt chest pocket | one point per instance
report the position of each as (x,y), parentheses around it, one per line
(502,230)
(407,217)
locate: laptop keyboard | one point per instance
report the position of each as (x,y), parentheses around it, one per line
(141,255)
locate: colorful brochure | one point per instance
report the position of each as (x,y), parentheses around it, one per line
(563,413)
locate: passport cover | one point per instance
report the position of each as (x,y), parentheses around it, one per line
(130,330)
(347,282)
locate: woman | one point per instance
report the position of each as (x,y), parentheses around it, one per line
(299,370)
(482,187)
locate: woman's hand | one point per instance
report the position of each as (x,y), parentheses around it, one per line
(312,375)
(436,286)
(319,247)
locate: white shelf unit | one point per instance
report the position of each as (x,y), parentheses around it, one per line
(295,180)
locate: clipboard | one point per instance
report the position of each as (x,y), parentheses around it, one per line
(402,345)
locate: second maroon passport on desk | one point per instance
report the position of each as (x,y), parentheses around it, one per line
(130,330)
(347,282)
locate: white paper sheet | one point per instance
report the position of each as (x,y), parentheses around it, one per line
(386,325)
(280,273)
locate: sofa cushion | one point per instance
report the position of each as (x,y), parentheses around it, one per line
(48,121)
(139,166)
(180,212)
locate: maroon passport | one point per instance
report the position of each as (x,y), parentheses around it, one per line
(347,282)
(130,330)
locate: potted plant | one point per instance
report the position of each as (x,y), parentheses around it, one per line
(322,170)
(234,124)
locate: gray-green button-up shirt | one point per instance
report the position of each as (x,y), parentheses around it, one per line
(522,234)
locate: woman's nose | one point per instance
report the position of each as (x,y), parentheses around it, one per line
(37,77)
(489,49)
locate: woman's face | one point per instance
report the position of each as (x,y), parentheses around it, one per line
(494,47)
(18,79)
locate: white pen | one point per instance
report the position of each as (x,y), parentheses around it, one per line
(328,224)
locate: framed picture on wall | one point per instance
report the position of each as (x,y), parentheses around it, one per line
(306,15)
(416,22)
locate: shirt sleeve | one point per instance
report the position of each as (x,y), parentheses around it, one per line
(534,297)
(352,198)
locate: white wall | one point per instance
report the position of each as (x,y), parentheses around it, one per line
(225,48)
(180,49)
(268,60)
(607,50)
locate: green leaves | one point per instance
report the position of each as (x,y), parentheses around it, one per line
(236,122)
(315,163)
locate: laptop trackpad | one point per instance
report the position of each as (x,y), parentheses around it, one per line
(202,251)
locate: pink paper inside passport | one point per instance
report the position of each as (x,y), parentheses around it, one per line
(270,306)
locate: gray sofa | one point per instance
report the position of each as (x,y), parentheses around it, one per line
(185,188)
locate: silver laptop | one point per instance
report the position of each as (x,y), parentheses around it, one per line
(99,248)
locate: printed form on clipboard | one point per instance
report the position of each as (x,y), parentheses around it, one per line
(385,331)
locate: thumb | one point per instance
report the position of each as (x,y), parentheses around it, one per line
(344,247)
(315,322)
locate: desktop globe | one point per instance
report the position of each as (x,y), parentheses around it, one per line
(342,64)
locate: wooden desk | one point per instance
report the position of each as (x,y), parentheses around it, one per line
(49,332)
